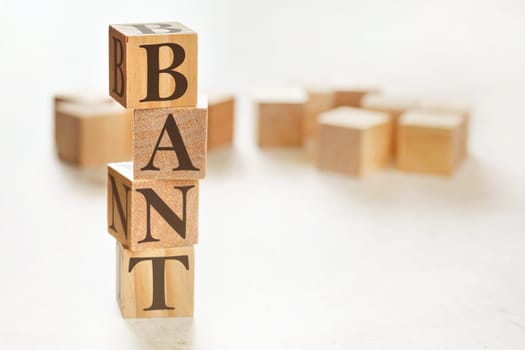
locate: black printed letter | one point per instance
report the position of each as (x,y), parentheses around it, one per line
(153,200)
(122,213)
(163,28)
(177,146)
(154,71)
(118,74)
(158,266)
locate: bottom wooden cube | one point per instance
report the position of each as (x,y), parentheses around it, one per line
(354,141)
(155,282)
(430,142)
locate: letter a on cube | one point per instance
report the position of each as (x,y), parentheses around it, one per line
(153,65)
(170,143)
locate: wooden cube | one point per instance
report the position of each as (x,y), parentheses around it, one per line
(429,142)
(63,137)
(170,143)
(319,100)
(153,65)
(155,282)
(91,134)
(455,107)
(351,95)
(280,115)
(147,214)
(395,106)
(221,112)
(354,141)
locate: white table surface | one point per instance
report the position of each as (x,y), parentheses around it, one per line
(289,257)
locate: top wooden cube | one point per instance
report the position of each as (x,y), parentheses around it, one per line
(153,65)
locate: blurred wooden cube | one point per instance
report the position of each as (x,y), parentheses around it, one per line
(280,114)
(318,100)
(155,282)
(354,141)
(76,96)
(429,142)
(91,134)
(351,95)
(395,106)
(449,106)
(221,120)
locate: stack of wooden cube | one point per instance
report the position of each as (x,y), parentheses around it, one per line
(153,201)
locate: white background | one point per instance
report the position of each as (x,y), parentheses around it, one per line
(289,257)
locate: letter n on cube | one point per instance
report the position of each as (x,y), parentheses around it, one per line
(147,214)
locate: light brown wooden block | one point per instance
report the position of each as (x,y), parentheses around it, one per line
(429,142)
(170,143)
(319,100)
(395,106)
(221,112)
(352,95)
(155,282)
(353,141)
(64,129)
(454,107)
(146,214)
(280,115)
(153,65)
(90,134)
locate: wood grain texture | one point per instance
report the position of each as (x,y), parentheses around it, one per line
(353,141)
(185,155)
(221,120)
(140,285)
(133,64)
(429,142)
(91,134)
(172,206)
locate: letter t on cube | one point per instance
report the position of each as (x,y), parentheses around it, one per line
(153,65)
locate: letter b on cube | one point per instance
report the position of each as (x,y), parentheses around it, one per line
(153,65)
